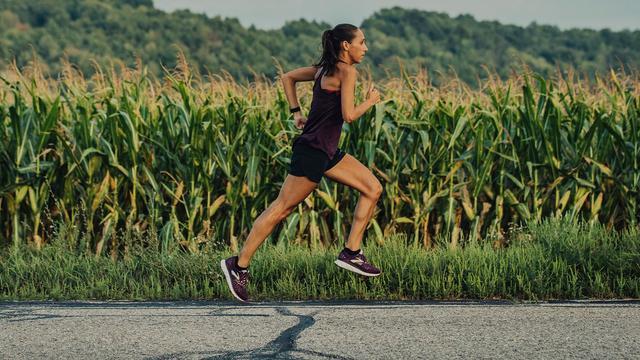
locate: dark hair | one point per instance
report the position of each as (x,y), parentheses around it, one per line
(331,40)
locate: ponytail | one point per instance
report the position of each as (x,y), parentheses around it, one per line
(331,41)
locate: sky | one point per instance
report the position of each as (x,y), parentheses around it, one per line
(566,14)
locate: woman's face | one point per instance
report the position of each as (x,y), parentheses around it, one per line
(358,47)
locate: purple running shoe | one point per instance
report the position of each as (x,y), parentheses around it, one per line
(356,263)
(236,279)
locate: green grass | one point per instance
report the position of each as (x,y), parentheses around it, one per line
(550,260)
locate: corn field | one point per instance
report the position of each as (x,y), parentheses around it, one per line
(192,160)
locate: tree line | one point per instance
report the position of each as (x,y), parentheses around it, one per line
(85,32)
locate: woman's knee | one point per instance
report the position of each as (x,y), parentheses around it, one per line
(280,210)
(375,190)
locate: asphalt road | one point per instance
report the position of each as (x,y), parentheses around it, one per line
(319,330)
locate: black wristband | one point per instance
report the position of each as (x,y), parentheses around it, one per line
(295,109)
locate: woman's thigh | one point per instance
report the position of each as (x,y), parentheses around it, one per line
(351,172)
(294,190)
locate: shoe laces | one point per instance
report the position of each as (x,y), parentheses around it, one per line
(244,277)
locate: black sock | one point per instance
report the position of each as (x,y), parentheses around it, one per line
(240,268)
(351,252)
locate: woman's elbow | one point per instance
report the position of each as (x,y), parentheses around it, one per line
(287,79)
(347,118)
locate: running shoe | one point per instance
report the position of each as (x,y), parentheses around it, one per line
(356,263)
(236,279)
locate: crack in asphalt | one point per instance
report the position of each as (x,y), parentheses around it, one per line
(286,341)
(282,347)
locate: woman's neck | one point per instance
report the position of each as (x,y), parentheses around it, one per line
(346,62)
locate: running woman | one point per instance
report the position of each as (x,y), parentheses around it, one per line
(316,153)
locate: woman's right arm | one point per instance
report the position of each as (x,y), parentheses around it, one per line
(351,112)
(290,79)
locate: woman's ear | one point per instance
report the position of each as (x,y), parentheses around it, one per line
(345,45)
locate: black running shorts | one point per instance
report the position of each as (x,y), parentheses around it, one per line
(311,162)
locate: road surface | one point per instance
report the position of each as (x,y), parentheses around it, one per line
(319,330)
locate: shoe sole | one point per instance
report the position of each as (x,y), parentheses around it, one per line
(227,276)
(350,267)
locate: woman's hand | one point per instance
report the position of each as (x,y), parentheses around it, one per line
(373,95)
(299,120)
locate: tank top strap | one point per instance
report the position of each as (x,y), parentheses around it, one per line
(319,78)
(323,70)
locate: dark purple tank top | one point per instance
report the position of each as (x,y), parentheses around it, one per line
(324,123)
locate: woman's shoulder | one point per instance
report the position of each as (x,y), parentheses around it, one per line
(346,69)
